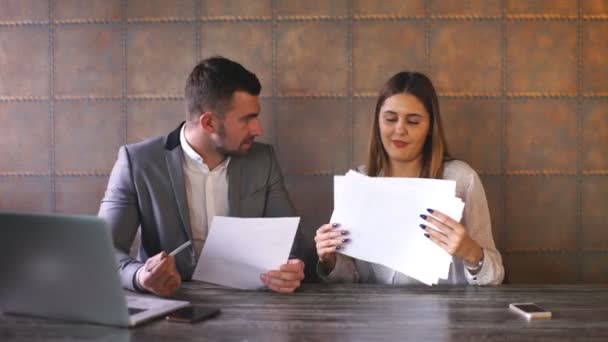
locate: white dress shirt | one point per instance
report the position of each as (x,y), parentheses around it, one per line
(206,192)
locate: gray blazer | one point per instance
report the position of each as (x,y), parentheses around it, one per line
(146,189)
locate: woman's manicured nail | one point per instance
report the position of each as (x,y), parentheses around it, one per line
(344,232)
(422,226)
(427,235)
(345,240)
(423,216)
(335,225)
(338,247)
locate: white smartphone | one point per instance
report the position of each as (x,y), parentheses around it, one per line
(530,310)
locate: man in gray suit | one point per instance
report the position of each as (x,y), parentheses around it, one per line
(172,186)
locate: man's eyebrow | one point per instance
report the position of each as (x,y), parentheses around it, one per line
(250,116)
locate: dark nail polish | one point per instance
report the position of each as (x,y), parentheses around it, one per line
(345,240)
(338,247)
(422,226)
(344,232)
(430,210)
(427,235)
(423,216)
(335,225)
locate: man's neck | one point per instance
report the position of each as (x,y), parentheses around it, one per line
(205,148)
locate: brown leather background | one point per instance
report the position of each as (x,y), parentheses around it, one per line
(523,85)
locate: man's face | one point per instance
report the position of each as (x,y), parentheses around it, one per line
(240,125)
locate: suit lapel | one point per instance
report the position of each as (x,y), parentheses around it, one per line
(176,174)
(234,187)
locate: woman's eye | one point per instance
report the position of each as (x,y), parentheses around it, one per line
(413,119)
(391,119)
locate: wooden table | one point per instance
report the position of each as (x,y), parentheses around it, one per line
(320,312)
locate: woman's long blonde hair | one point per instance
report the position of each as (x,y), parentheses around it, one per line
(435,151)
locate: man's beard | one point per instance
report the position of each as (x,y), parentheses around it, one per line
(232,153)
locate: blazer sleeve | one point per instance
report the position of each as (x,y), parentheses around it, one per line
(119,209)
(279,204)
(476,219)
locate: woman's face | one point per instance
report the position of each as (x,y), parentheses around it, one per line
(404,124)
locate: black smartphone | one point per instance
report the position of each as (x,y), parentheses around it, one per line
(191,314)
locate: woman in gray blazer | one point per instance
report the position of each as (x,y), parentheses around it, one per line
(407,140)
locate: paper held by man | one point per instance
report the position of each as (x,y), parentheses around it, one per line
(238,250)
(382,216)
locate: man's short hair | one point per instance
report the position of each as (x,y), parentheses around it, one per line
(213,81)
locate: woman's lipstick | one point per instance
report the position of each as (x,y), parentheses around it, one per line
(399,143)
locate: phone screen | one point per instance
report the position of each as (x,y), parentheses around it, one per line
(530,308)
(191,314)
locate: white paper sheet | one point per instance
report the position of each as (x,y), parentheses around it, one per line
(382,216)
(238,250)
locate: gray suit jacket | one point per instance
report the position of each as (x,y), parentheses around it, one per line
(146,189)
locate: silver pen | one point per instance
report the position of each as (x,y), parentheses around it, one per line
(181,248)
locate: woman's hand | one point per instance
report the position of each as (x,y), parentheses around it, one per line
(329,239)
(452,237)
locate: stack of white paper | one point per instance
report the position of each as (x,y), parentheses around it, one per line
(382,215)
(238,250)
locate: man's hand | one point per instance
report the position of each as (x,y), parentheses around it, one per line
(159,276)
(286,279)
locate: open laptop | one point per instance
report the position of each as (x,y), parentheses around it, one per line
(63,267)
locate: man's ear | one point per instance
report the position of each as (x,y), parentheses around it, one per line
(208,122)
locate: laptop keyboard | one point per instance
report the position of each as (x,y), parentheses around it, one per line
(133,311)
